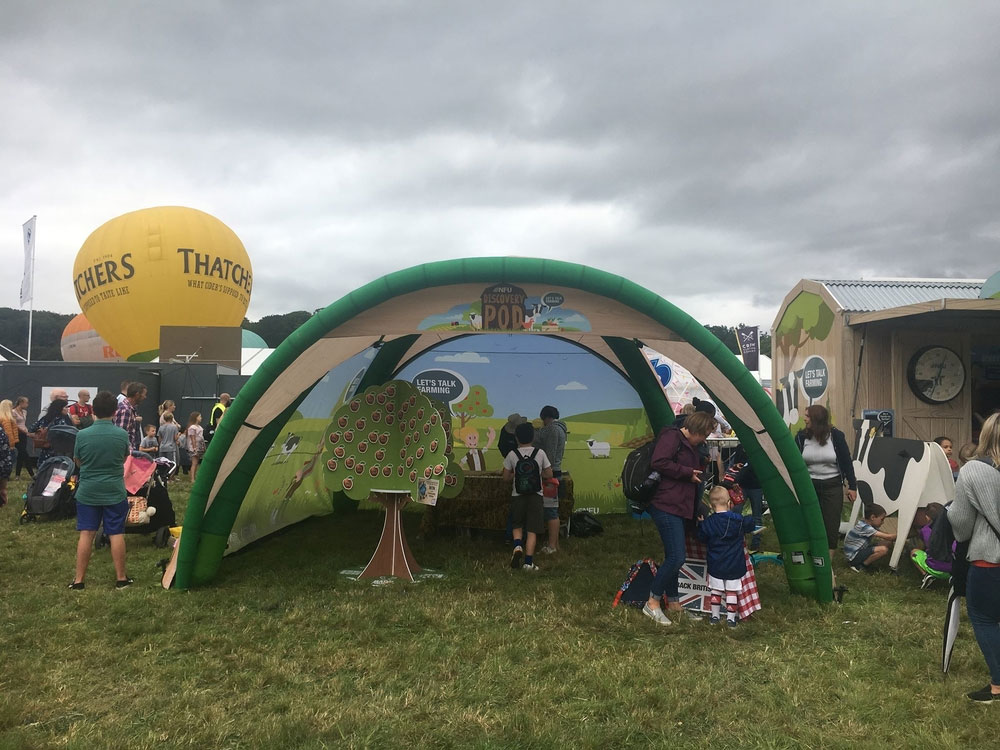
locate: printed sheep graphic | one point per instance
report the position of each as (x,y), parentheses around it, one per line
(599,449)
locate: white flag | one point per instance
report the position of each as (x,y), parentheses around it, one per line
(29,259)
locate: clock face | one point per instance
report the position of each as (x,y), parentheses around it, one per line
(936,374)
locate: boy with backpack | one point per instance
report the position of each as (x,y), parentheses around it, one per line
(526,467)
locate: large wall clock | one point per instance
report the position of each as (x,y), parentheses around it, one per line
(935,374)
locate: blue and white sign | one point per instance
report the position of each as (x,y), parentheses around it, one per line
(443,385)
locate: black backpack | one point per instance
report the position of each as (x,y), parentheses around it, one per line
(583,523)
(635,472)
(527,477)
(939,545)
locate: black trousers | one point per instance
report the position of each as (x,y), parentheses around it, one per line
(23,458)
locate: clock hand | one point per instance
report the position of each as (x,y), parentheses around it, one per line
(940,374)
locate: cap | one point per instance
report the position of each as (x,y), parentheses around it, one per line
(513,421)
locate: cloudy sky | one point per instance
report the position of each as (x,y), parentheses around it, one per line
(713,152)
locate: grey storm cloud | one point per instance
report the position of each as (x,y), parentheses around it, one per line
(715,153)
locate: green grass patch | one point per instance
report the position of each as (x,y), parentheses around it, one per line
(282,651)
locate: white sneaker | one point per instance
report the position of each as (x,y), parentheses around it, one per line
(547,550)
(530,566)
(656,615)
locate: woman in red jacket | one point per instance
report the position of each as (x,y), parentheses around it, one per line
(676,460)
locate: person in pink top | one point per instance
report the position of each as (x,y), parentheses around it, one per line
(195,435)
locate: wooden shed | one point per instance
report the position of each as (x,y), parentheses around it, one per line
(921,354)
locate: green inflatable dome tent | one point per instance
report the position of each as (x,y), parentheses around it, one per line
(408,312)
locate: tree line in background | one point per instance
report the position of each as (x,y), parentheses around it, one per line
(276,328)
(48,327)
(47,331)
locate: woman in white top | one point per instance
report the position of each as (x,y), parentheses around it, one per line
(829,461)
(167,407)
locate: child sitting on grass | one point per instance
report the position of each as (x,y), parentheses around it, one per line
(859,549)
(723,532)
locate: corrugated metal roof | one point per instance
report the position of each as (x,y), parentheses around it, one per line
(871,295)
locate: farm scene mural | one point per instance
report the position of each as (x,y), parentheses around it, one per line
(482,379)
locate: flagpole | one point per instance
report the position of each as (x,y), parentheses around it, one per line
(31,308)
(30,238)
(31,313)
(758,355)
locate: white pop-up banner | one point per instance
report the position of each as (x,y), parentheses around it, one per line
(29,260)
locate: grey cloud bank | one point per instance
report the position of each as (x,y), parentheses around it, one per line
(715,155)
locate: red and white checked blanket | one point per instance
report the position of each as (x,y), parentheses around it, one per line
(693,582)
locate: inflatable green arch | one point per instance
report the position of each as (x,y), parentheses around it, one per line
(402,313)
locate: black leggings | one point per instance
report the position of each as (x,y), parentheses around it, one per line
(830,493)
(23,459)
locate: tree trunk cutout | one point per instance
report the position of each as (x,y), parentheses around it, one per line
(392,556)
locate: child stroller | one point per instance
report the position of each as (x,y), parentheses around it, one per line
(50,495)
(150,509)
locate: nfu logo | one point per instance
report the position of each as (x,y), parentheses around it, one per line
(663,371)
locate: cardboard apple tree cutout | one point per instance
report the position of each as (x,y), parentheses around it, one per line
(454,475)
(389,444)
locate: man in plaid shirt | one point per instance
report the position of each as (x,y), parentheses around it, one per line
(127,417)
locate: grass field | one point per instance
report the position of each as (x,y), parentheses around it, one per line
(284,652)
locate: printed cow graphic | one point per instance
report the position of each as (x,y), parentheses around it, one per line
(288,448)
(900,475)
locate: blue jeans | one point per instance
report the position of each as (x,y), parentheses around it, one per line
(671,530)
(756,498)
(982,600)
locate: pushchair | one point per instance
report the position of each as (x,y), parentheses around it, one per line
(50,496)
(150,508)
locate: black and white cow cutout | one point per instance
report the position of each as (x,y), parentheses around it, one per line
(900,475)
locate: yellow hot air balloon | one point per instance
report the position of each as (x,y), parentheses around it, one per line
(81,343)
(166,266)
